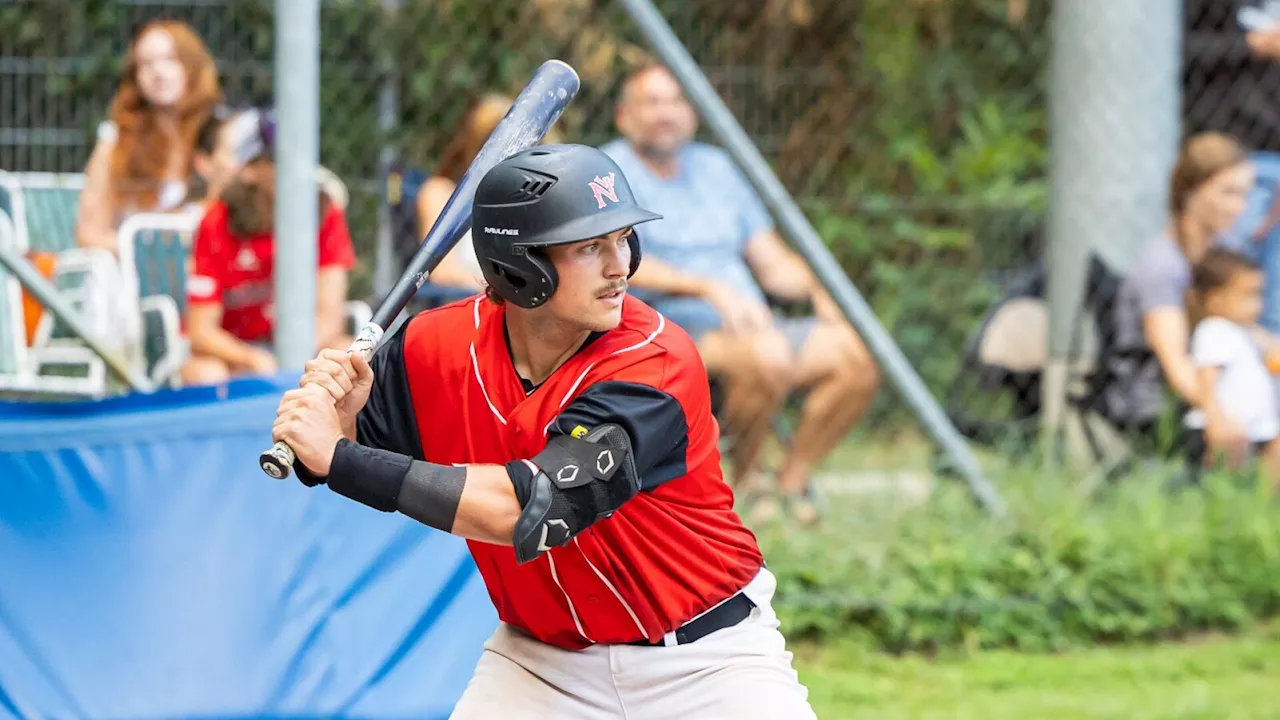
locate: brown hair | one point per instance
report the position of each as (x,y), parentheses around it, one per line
(477,123)
(647,65)
(1216,270)
(1202,157)
(251,200)
(141,150)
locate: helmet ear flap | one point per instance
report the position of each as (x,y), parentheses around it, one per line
(634,242)
(546,277)
(525,279)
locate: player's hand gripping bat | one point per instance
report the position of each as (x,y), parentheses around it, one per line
(534,111)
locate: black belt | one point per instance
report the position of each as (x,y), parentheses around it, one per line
(726,614)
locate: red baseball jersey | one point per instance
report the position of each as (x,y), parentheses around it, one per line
(238,273)
(667,555)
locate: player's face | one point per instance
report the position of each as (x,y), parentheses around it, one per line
(655,116)
(162,79)
(1240,301)
(592,281)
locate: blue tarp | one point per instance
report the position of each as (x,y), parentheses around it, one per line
(149,569)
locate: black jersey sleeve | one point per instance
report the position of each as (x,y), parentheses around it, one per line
(387,421)
(654,420)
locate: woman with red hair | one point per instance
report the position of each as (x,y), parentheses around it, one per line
(142,160)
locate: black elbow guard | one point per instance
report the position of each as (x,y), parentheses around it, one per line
(571,485)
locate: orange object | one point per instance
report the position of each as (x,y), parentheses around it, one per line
(45,262)
(1273,362)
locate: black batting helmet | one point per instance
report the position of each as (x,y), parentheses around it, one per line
(542,196)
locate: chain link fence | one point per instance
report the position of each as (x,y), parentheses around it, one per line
(912,132)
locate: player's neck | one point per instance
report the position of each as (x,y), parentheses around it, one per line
(540,344)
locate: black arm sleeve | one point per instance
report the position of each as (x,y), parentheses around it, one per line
(653,419)
(387,421)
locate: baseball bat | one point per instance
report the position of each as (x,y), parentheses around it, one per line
(537,107)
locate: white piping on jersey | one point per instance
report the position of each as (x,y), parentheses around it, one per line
(612,589)
(476,366)
(475,307)
(662,323)
(552,562)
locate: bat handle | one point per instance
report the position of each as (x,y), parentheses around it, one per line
(278,461)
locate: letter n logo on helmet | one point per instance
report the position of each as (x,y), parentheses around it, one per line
(602,187)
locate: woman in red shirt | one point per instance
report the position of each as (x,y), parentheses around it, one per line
(231,290)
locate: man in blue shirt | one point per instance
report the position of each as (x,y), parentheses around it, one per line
(710,266)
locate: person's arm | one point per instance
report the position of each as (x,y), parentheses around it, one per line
(335,256)
(737,311)
(331,299)
(654,274)
(204,330)
(451,271)
(94,219)
(780,271)
(1166,333)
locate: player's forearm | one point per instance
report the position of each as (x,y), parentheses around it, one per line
(476,502)
(488,508)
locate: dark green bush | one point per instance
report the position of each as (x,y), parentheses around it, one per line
(1139,563)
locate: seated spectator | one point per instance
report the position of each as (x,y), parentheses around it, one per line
(1237,390)
(143,156)
(459,268)
(231,291)
(709,265)
(1208,188)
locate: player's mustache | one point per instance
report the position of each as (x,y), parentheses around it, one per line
(621,285)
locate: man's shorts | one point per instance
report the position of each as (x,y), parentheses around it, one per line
(698,317)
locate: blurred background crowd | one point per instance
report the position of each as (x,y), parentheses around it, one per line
(137,174)
(137,145)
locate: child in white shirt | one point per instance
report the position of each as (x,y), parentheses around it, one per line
(1238,391)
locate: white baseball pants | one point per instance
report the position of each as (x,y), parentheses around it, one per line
(737,673)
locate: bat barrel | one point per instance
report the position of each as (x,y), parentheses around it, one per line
(526,122)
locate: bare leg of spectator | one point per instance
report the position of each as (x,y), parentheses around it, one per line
(756,370)
(205,370)
(842,379)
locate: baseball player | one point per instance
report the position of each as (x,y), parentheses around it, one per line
(564,429)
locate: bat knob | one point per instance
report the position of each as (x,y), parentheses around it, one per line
(277,462)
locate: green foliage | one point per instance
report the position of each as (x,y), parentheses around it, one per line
(1142,562)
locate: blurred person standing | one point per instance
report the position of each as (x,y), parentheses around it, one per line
(1226,300)
(143,157)
(710,265)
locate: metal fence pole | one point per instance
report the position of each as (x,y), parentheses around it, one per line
(807,242)
(385,267)
(297,102)
(1114,125)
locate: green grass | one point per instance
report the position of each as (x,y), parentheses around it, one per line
(1235,678)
